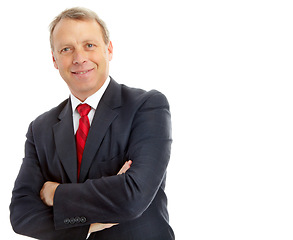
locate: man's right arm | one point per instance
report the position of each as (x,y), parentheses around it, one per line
(28,214)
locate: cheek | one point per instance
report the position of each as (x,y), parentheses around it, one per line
(63,65)
(64,71)
(99,57)
(101,62)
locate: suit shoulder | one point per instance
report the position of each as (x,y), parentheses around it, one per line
(130,96)
(140,95)
(50,116)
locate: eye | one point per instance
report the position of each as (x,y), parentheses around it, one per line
(90,45)
(66,49)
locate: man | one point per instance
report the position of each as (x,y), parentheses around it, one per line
(68,187)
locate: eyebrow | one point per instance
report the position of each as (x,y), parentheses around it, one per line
(86,41)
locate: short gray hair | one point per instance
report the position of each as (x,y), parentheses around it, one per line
(79,13)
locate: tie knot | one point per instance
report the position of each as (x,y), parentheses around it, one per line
(83,109)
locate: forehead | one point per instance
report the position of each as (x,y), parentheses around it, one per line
(68,30)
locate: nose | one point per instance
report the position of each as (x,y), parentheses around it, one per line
(79,57)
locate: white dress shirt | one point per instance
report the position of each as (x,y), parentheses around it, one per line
(92,101)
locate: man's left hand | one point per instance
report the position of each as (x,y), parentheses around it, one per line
(47,193)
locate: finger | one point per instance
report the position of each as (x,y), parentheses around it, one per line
(100,226)
(109,225)
(42,193)
(125,167)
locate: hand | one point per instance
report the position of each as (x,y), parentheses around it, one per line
(101,226)
(47,192)
(95,227)
(125,167)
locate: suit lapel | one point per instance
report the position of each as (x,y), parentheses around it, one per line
(105,114)
(65,142)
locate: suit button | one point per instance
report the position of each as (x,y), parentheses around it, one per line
(72,220)
(77,220)
(67,221)
(83,219)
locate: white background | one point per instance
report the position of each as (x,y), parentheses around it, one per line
(226,68)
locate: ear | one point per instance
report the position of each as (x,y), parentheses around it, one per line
(54,60)
(110,51)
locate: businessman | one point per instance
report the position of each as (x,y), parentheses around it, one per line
(94,166)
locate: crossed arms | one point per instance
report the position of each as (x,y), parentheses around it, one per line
(48,191)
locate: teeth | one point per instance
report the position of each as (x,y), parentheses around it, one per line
(81,72)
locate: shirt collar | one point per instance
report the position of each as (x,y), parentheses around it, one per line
(92,100)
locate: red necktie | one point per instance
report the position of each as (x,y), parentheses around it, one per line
(82,132)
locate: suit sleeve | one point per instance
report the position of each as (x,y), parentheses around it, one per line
(121,198)
(28,214)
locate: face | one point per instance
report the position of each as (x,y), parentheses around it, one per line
(81,56)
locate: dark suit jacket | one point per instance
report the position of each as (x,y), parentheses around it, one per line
(128,124)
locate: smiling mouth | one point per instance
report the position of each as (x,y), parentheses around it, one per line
(82,72)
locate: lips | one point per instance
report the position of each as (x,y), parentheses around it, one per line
(81,72)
